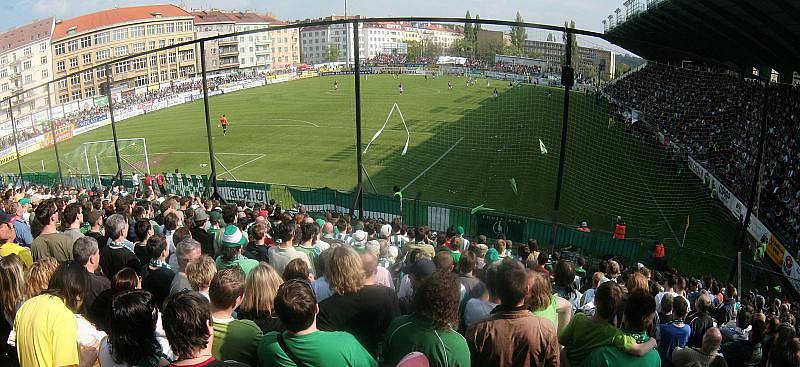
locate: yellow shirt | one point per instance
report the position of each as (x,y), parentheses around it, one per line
(13,248)
(46,333)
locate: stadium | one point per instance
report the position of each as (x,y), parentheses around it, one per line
(528,145)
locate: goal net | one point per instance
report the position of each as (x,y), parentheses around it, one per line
(99,157)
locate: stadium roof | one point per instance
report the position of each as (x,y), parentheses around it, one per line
(32,32)
(740,34)
(110,17)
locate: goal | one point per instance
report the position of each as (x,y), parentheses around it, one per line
(99,157)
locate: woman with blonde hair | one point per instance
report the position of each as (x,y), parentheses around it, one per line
(259,297)
(362,310)
(543,303)
(39,276)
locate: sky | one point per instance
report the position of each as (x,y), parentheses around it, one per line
(587,14)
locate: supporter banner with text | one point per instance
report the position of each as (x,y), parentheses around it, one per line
(236,191)
(180,184)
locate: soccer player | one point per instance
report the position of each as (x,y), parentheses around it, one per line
(495,93)
(401,88)
(450,85)
(335,85)
(224,122)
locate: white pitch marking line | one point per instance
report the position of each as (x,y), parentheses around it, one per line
(245,163)
(432,164)
(242,154)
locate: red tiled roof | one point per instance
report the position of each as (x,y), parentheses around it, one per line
(247,17)
(114,16)
(212,16)
(32,32)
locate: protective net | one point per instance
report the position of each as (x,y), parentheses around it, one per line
(669,150)
(99,157)
(483,131)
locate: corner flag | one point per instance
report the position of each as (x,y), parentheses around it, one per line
(542,147)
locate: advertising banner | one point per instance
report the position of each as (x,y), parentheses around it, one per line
(236,191)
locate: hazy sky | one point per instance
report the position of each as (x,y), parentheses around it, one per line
(588,14)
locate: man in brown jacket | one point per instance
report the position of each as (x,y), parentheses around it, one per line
(513,336)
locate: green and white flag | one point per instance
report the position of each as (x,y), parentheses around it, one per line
(542,147)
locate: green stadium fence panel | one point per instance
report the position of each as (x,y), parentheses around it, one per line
(236,191)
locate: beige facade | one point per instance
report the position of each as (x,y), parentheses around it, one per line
(25,62)
(285,46)
(221,54)
(83,42)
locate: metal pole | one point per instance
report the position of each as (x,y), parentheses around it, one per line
(359,162)
(212,180)
(346,38)
(53,130)
(146,158)
(16,146)
(762,146)
(113,123)
(567,79)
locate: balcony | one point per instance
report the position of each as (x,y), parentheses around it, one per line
(228,53)
(264,51)
(228,41)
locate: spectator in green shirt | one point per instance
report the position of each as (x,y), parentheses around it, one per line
(585,334)
(302,343)
(429,329)
(235,340)
(638,318)
(233,241)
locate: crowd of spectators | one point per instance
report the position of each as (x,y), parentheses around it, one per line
(716,118)
(109,277)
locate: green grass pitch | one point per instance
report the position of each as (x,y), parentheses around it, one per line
(468,144)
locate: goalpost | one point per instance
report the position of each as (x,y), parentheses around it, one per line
(99,157)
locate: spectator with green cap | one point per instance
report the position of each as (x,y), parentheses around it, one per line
(22,226)
(233,241)
(214,226)
(464,242)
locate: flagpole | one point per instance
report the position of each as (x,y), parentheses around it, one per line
(685,229)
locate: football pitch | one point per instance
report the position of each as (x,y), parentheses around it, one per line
(465,147)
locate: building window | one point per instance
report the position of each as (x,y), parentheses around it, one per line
(63,98)
(87,76)
(45,74)
(62,83)
(159,29)
(138,47)
(170,27)
(153,77)
(137,31)
(87,58)
(173,58)
(27,51)
(140,63)
(28,78)
(27,65)
(101,38)
(43,46)
(102,54)
(43,60)
(76,95)
(72,46)
(101,72)
(163,75)
(162,43)
(122,67)
(153,61)
(5,87)
(141,80)
(120,51)
(151,45)
(86,41)
(89,92)
(162,59)
(59,49)
(173,74)
(75,80)
(119,34)
(73,62)
(60,66)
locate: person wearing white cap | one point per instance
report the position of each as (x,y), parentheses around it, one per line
(359,240)
(233,240)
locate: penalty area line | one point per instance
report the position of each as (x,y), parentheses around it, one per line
(432,164)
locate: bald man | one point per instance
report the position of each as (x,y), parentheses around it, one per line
(375,274)
(707,355)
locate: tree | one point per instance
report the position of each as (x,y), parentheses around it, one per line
(468,28)
(414,51)
(621,69)
(491,48)
(576,56)
(534,54)
(476,29)
(462,47)
(431,49)
(590,73)
(333,53)
(518,33)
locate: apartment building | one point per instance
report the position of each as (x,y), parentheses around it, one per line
(83,42)
(25,62)
(285,44)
